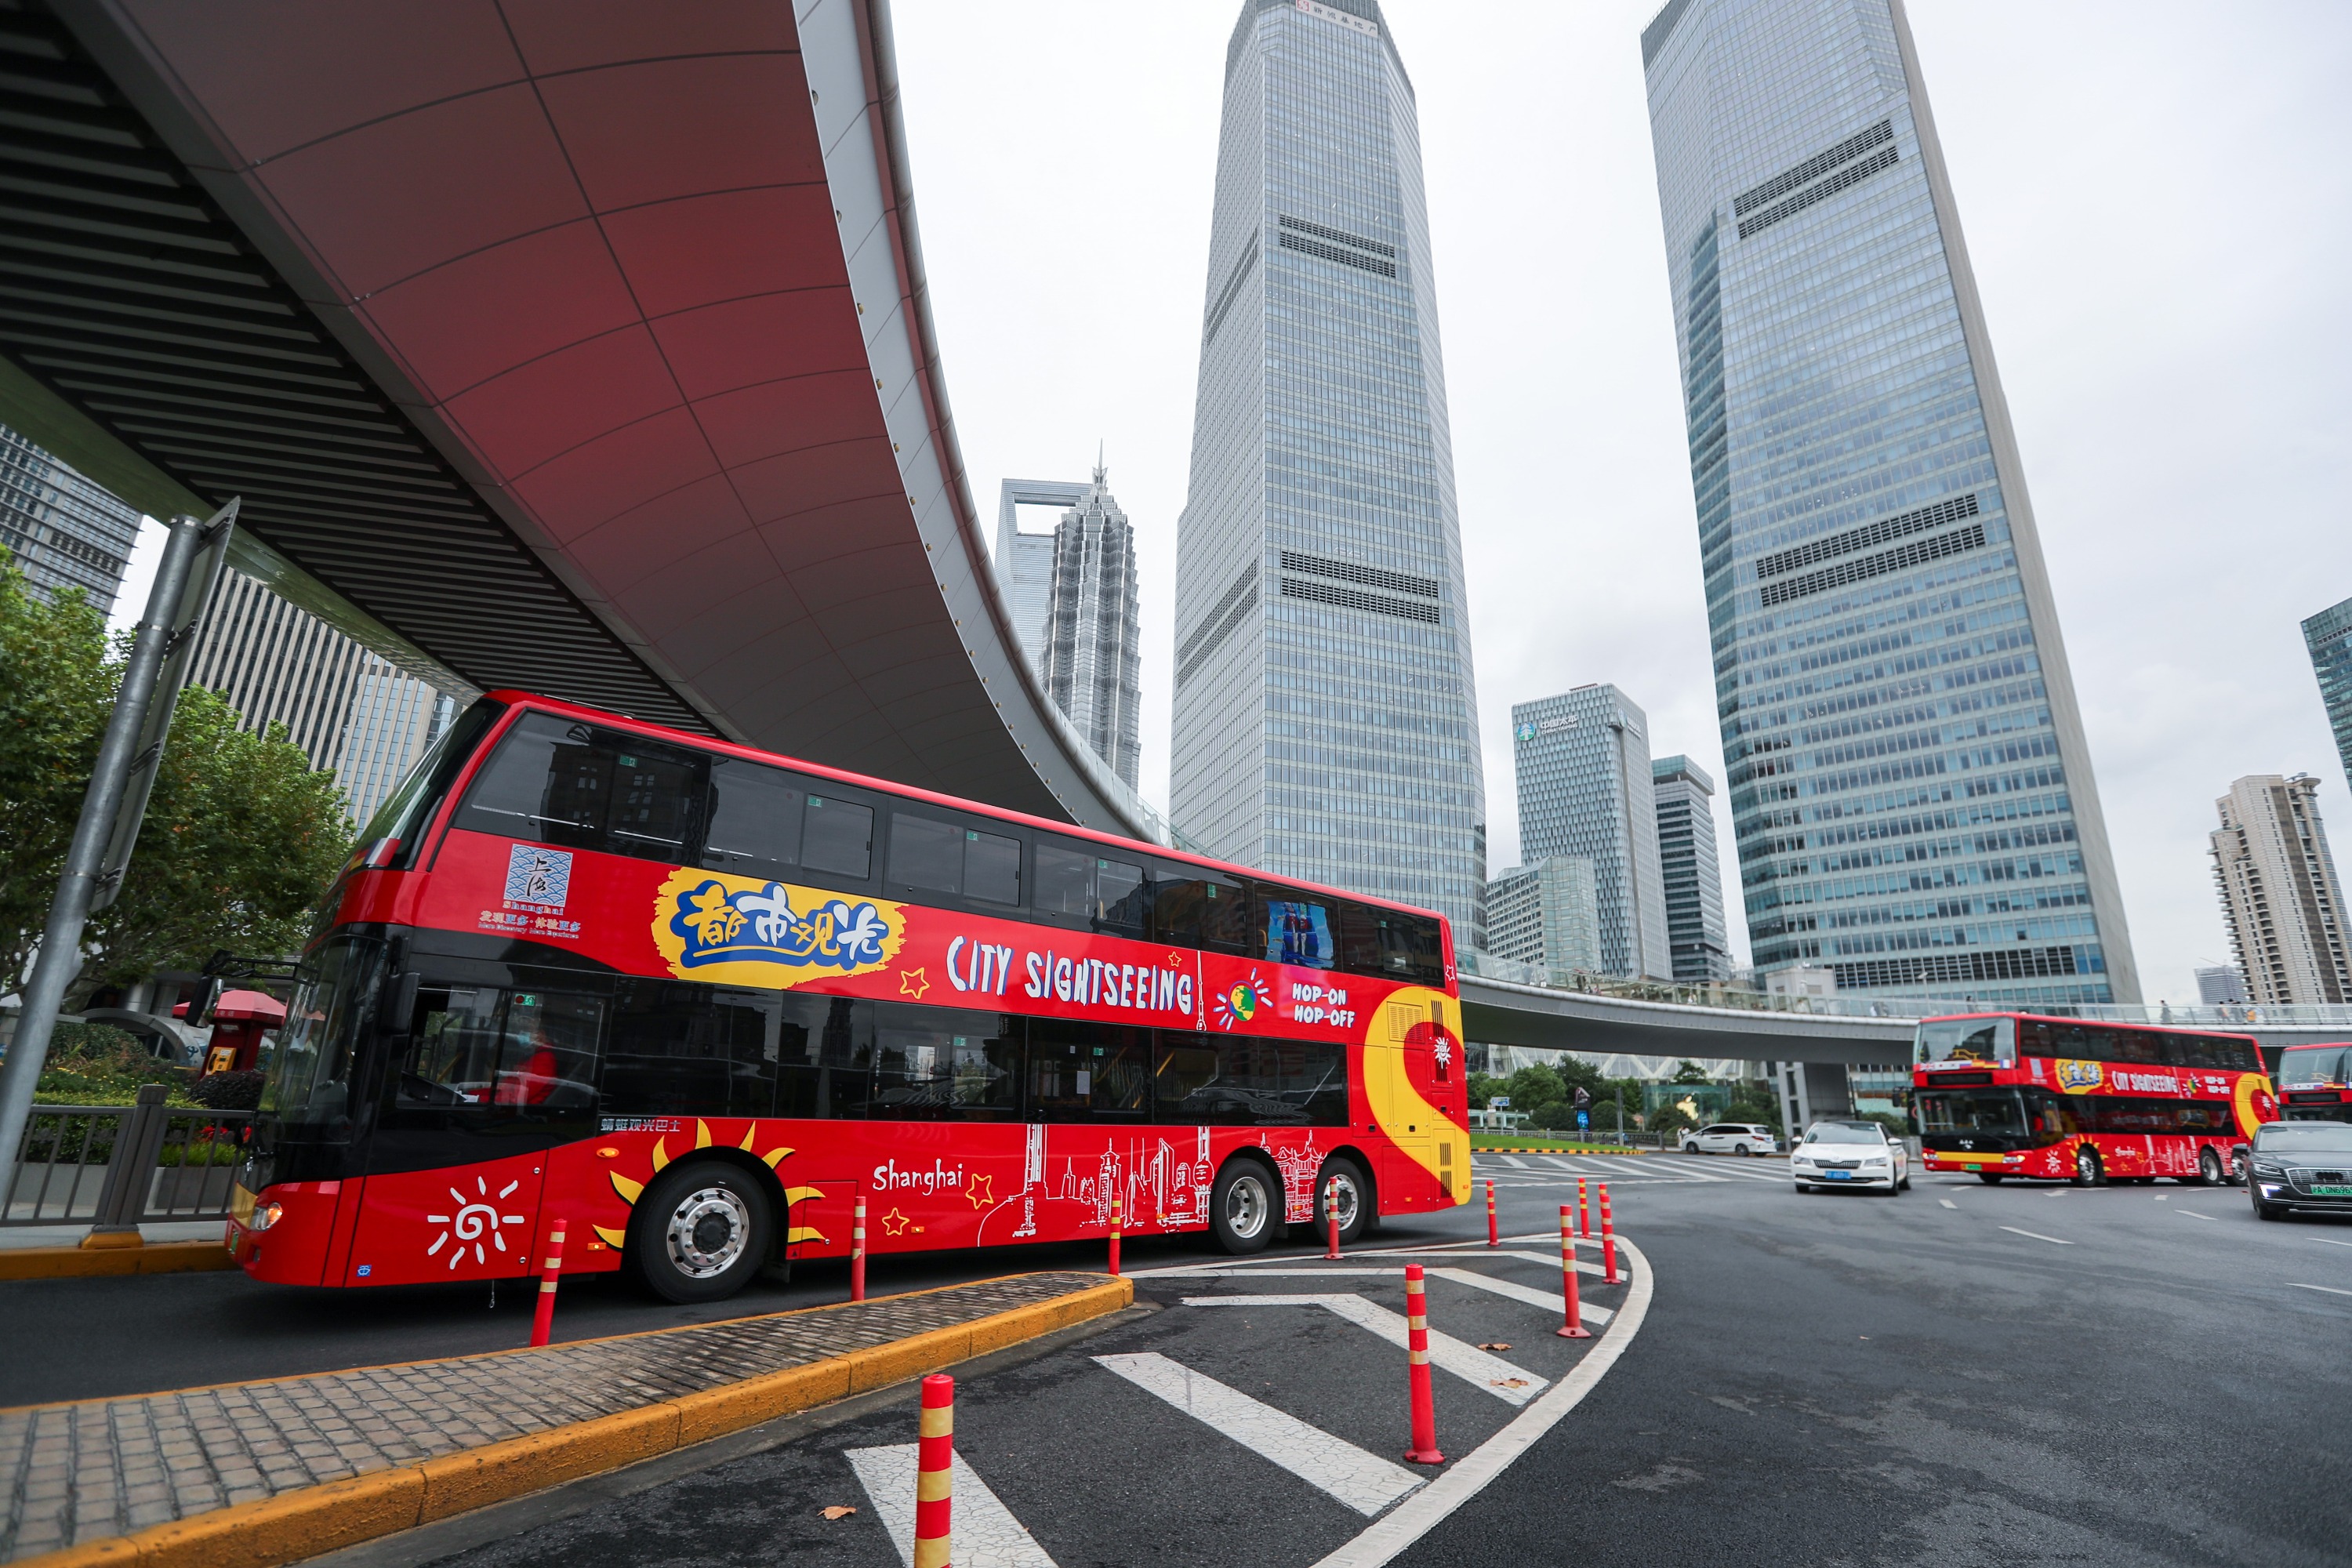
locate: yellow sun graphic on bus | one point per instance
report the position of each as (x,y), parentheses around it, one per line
(1240,1001)
(476,1216)
(630,1192)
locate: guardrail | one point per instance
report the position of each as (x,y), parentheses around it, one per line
(117,1166)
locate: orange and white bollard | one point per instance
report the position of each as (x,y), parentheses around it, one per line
(1114,1234)
(542,1322)
(1608,1240)
(1583,1211)
(857,1250)
(1416,1338)
(935,1473)
(1494,1227)
(1573,1328)
(1331,1218)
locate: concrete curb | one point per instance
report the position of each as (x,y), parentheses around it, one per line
(309,1520)
(104,1262)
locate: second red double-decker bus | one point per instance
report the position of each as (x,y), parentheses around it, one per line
(2005,1094)
(2314,1082)
(697,1000)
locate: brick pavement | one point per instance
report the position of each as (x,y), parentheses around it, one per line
(77,1472)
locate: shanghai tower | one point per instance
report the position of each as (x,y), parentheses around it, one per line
(1325,717)
(1908,778)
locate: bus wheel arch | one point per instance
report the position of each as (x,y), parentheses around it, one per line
(703,1228)
(1245,1203)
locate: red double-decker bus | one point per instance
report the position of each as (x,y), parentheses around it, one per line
(2010,1094)
(696,999)
(2314,1082)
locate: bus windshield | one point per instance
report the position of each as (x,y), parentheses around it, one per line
(308,1085)
(2315,1067)
(1972,1110)
(1987,1040)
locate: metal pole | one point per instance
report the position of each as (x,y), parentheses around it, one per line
(59,963)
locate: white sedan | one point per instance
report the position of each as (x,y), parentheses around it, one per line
(1731,1138)
(1850,1154)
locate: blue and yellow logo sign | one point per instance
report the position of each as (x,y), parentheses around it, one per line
(759,933)
(2080,1078)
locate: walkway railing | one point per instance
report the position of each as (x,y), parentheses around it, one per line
(117,1167)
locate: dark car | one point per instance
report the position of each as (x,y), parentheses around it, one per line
(2301,1165)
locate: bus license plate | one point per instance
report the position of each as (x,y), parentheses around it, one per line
(1848,1175)
(2332,1192)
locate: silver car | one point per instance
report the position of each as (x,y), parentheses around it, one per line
(1850,1154)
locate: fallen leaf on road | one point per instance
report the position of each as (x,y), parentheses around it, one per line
(838,1511)
(1497,1345)
(1508,1382)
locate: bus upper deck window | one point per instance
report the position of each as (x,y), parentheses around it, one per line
(580,786)
(838,837)
(755,820)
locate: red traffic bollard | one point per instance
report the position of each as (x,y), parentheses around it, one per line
(1331,1218)
(1425,1408)
(1608,1240)
(857,1250)
(1494,1230)
(1573,1328)
(542,1322)
(1114,1234)
(935,1473)
(1583,1210)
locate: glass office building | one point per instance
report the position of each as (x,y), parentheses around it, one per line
(1324,720)
(2328,636)
(1908,780)
(61,529)
(1586,788)
(1688,869)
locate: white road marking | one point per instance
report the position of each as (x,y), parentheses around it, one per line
(2325,1241)
(1474,1472)
(2036,1236)
(1550,1300)
(986,1533)
(1947,1203)
(1364,1481)
(1471,1365)
(2160,1197)
(2193,1214)
(1515,1163)
(2329,1289)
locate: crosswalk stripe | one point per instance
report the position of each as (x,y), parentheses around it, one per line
(986,1533)
(1364,1481)
(1471,1365)
(1549,1300)
(1214,1271)
(1514,1162)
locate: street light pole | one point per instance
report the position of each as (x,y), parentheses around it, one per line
(59,961)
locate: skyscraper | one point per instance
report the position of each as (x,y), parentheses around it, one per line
(1586,788)
(1688,868)
(2328,636)
(2280,896)
(1910,788)
(1546,914)
(62,529)
(1024,561)
(1094,644)
(1325,715)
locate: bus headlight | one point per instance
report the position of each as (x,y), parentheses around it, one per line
(265,1215)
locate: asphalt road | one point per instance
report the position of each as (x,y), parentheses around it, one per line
(1965,1374)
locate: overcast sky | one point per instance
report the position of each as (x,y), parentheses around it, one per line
(2155,197)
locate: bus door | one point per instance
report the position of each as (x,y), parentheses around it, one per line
(488,1080)
(1406,1116)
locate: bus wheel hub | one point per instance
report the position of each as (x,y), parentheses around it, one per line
(707,1232)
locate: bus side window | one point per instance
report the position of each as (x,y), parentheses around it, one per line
(1082,1071)
(1234,1081)
(1122,898)
(510,1052)
(837,837)
(1064,888)
(824,1056)
(945,1064)
(1193,907)
(754,817)
(683,1049)
(578,786)
(1295,929)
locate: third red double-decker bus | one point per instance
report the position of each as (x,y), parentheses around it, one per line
(2009,1094)
(697,1000)
(2314,1082)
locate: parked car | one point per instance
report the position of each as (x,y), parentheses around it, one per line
(1850,1154)
(2300,1165)
(1731,1138)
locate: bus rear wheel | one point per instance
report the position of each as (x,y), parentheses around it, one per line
(2208,1169)
(2088,1172)
(1340,1190)
(1245,1206)
(700,1232)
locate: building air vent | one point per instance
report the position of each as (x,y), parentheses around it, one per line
(1347,249)
(1217,624)
(1349,599)
(1852,175)
(1947,969)
(1350,572)
(1918,553)
(1879,532)
(1812,168)
(1233,281)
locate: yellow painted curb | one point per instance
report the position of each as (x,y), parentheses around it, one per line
(309,1520)
(102,1262)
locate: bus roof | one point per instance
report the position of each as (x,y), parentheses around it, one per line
(910,791)
(2100,1023)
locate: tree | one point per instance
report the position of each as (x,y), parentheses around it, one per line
(241,836)
(1687,1072)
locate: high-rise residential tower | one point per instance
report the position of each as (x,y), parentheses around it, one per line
(62,531)
(1024,561)
(1910,788)
(1094,645)
(1688,869)
(1325,717)
(1586,788)
(2280,896)
(2328,636)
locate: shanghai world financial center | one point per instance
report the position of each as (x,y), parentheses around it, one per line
(1324,716)
(1908,780)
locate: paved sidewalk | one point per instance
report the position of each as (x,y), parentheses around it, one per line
(75,1473)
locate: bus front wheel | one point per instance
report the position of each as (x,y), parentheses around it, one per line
(1992,1178)
(2087,1170)
(2208,1169)
(700,1232)
(1245,1206)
